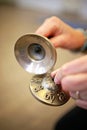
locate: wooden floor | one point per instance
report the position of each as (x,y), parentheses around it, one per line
(19,110)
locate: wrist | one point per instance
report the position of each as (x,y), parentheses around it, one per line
(84,46)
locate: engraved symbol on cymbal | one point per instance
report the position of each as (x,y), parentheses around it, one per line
(45,90)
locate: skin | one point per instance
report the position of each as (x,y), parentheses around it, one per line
(72,75)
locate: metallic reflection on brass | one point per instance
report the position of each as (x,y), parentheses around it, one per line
(37,55)
(44,89)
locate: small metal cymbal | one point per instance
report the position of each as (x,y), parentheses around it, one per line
(45,90)
(37,55)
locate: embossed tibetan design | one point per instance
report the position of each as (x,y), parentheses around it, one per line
(44,89)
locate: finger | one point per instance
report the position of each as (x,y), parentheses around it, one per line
(57,76)
(60,41)
(81,103)
(73,67)
(47,29)
(82,95)
(77,82)
(76,66)
(53,73)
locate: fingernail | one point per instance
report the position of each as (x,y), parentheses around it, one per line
(56,81)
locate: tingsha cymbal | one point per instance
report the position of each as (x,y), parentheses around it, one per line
(45,90)
(36,54)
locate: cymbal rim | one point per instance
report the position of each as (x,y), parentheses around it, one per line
(31,65)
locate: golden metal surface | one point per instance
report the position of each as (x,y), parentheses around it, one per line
(45,90)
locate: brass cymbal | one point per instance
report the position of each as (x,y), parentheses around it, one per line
(35,53)
(46,91)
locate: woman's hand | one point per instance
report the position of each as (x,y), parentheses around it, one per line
(73,78)
(61,34)
(73,75)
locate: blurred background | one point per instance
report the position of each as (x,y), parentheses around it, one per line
(19,110)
